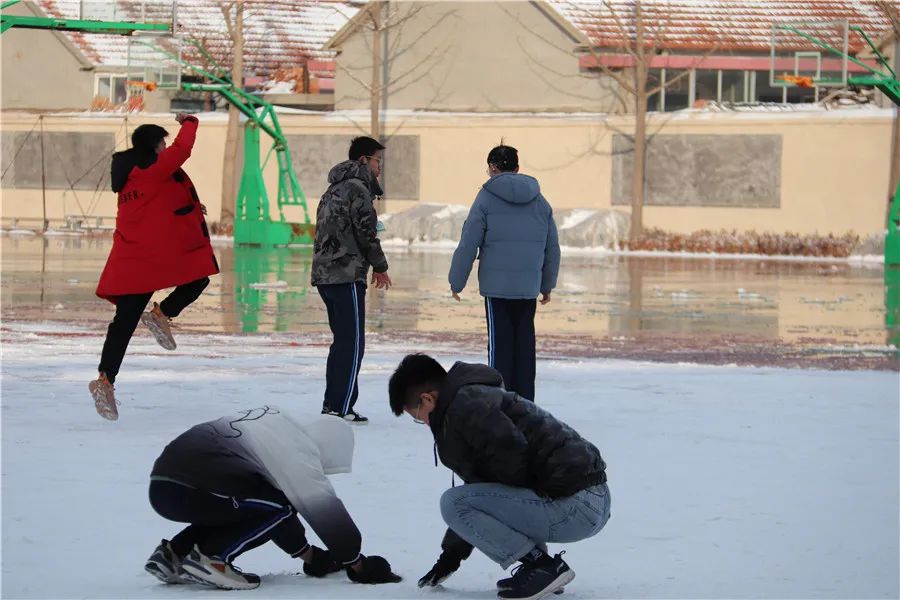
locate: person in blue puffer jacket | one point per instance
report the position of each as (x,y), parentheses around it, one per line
(510,229)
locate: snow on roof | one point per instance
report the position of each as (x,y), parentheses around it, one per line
(277,33)
(726,25)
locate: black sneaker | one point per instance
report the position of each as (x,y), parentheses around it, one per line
(356,418)
(351,417)
(506,584)
(531,581)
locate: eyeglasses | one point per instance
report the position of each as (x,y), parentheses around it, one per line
(375,158)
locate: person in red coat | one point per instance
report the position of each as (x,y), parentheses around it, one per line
(161,241)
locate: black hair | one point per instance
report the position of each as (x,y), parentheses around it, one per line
(142,154)
(363,146)
(504,158)
(147,137)
(416,373)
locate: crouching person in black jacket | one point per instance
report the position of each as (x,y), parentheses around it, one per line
(240,481)
(529,478)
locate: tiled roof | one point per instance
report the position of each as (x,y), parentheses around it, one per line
(277,33)
(726,25)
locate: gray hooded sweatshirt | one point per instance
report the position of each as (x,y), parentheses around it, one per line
(246,454)
(510,229)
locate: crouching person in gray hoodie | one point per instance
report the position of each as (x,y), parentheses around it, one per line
(240,481)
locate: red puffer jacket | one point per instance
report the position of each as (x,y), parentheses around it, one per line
(161,239)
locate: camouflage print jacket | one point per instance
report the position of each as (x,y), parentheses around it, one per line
(345,227)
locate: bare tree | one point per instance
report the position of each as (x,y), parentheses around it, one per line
(626,27)
(641,38)
(382,27)
(893,16)
(380,18)
(233,14)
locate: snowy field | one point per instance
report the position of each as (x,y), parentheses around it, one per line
(726,482)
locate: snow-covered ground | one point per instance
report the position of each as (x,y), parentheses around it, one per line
(726,482)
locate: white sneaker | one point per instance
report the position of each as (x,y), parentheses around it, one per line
(216,572)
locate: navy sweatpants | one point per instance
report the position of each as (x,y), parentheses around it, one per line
(510,325)
(346,306)
(225,527)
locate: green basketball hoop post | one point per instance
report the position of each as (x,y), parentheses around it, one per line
(833,39)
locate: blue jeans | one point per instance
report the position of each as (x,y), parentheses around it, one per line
(507,522)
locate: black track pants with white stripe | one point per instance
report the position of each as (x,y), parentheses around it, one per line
(225,527)
(346,306)
(510,325)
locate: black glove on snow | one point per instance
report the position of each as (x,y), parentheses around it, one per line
(375,569)
(321,563)
(445,566)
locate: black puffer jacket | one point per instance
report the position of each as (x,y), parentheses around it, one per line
(486,434)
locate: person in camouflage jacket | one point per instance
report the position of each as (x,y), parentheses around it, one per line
(346,246)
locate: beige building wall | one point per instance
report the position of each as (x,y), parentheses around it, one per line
(469,56)
(834,166)
(42,70)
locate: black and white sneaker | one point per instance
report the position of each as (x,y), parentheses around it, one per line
(165,565)
(351,417)
(506,584)
(532,581)
(216,572)
(356,418)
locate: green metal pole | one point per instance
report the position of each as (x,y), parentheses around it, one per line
(110,27)
(892,275)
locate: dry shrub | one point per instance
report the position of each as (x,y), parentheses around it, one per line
(747,242)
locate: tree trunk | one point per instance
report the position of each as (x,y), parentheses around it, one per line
(641,68)
(375,99)
(230,162)
(638,178)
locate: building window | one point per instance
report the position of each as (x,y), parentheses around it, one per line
(654,101)
(706,86)
(763,91)
(799,95)
(733,86)
(676,96)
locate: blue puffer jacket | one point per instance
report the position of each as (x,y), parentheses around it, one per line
(511,230)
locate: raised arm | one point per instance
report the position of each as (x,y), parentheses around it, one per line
(170,160)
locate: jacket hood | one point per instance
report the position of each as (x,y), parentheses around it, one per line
(334,438)
(461,374)
(514,188)
(124,162)
(353,169)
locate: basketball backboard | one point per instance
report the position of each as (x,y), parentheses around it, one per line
(809,54)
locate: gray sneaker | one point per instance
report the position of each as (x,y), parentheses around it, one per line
(103,393)
(165,565)
(159,326)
